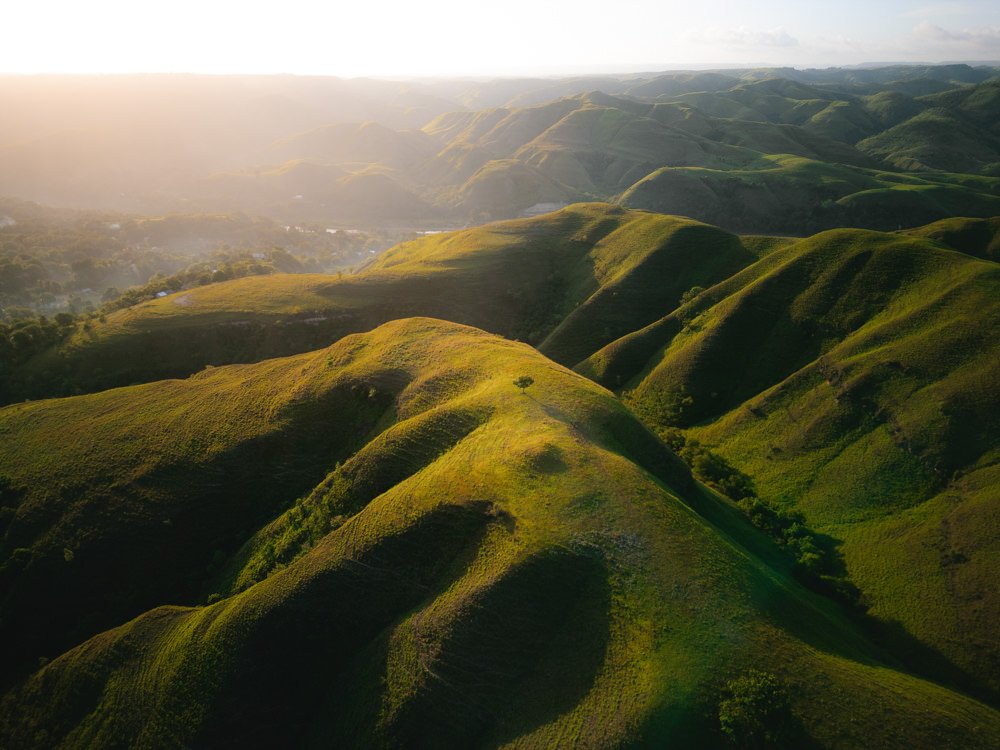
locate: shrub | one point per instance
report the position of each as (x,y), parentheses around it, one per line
(714,470)
(756,712)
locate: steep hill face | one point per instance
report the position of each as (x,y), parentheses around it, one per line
(424,557)
(854,376)
(851,375)
(571,281)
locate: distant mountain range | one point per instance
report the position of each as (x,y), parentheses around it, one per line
(879,148)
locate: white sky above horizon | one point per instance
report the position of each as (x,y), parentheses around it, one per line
(452,38)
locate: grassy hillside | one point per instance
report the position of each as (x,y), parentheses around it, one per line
(599,145)
(521,279)
(456,564)
(853,376)
(596,146)
(978,237)
(792,194)
(936,139)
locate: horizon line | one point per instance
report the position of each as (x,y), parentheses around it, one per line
(610,71)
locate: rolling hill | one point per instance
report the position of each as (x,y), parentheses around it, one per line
(422,153)
(850,375)
(797,195)
(602,477)
(937,138)
(382,544)
(569,281)
(853,376)
(978,237)
(766,156)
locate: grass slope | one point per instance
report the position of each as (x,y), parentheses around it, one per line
(596,145)
(533,573)
(215,146)
(978,237)
(854,375)
(795,194)
(521,279)
(937,138)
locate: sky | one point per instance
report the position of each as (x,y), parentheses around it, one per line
(388,38)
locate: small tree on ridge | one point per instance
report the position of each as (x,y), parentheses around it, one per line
(523,382)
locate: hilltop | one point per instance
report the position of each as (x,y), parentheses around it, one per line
(381,543)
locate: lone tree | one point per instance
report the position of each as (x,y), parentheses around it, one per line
(523,382)
(756,713)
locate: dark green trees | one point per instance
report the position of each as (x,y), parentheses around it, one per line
(756,713)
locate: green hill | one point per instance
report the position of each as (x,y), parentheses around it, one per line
(793,194)
(979,104)
(596,146)
(889,108)
(401,550)
(737,146)
(978,237)
(764,137)
(854,377)
(505,186)
(520,278)
(936,138)
(781,100)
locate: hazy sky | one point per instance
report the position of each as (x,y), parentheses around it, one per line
(464,37)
